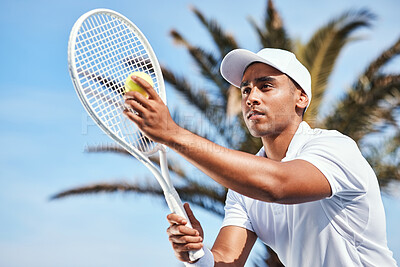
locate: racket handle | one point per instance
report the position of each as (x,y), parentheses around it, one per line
(175,205)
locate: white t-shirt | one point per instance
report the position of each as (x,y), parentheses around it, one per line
(346,229)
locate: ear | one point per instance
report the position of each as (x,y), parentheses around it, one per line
(302,100)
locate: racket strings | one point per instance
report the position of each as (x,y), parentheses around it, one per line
(96,52)
(106,52)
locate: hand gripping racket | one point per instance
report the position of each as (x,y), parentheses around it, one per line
(104,48)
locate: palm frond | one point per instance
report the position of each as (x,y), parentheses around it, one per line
(212,111)
(173,165)
(384,157)
(107,148)
(210,198)
(224,41)
(207,62)
(216,127)
(273,35)
(319,55)
(356,114)
(393,147)
(107,82)
(370,87)
(197,98)
(385,57)
(205,197)
(118,187)
(361,111)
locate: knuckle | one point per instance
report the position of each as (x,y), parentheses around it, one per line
(173,229)
(135,94)
(187,239)
(176,246)
(181,228)
(189,247)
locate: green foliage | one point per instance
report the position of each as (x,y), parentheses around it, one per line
(320,53)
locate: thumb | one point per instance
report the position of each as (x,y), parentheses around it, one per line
(195,223)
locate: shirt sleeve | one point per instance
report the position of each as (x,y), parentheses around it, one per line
(340,161)
(235,211)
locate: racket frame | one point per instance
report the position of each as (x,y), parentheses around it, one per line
(171,196)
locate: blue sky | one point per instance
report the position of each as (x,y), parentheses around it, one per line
(44,129)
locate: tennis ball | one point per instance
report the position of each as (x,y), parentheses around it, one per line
(132,86)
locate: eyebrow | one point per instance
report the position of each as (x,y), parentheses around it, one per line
(257,80)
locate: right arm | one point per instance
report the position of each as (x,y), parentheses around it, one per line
(231,248)
(260,178)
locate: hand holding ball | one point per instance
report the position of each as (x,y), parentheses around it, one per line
(132,86)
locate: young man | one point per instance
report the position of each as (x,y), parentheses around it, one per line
(308,194)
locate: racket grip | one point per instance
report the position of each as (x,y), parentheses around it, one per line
(175,205)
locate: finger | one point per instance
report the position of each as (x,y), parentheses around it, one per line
(195,223)
(179,239)
(182,230)
(174,218)
(139,108)
(179,248)
(189,213)
(146,86)
(133,117)
(138,97)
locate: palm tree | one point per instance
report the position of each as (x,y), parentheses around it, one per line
(370,106)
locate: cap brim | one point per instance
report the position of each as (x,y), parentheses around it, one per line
(235,62)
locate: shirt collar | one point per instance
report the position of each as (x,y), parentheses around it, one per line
(302,134)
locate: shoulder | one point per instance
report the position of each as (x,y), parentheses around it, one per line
(318,134)
(308,140)
(329,142)
(338,157)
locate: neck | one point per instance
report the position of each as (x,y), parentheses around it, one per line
(276,145)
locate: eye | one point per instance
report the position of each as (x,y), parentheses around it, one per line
(245,91)
(266,85)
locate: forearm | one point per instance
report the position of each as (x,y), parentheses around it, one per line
(247,174)
(242,172)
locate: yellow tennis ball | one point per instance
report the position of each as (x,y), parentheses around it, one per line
(132,86)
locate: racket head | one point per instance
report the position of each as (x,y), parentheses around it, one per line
(103,49)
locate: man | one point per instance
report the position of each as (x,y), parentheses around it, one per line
(308,194)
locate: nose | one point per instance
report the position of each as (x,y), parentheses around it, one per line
(253,98)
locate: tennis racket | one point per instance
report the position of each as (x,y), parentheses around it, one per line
(104,48)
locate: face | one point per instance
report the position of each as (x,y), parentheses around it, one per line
(269,100)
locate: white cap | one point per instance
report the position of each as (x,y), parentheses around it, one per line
(235,62)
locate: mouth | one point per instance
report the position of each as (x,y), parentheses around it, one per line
(254,115)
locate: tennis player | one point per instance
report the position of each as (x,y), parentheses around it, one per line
(308,193)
